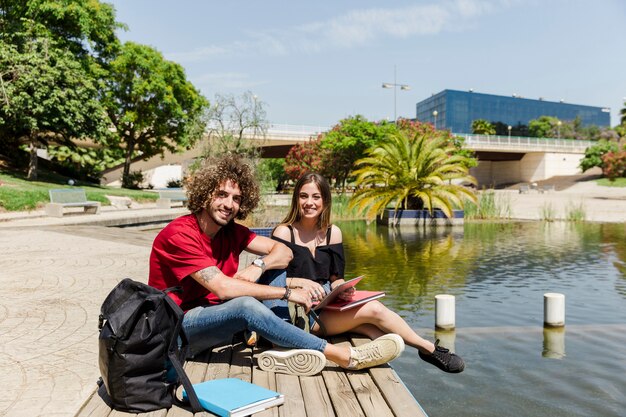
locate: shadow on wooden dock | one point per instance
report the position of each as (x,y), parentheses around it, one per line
(376,392)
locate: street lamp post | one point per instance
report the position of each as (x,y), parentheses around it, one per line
(558,129)
(435,113)
(394,85)
(509,127)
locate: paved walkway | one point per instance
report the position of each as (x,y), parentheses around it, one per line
(54,278)
(600,204)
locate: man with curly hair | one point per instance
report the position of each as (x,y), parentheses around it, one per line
(200,252)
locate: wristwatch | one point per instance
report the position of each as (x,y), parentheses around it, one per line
(260,263)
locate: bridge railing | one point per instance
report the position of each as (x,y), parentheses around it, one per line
(522,143)
(295,131)
(475,142)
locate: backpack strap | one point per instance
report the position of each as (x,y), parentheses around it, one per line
(176,363)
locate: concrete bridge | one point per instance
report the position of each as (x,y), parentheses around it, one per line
(502,159)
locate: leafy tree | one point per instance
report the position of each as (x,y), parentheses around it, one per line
(151,104)
(46,95)
(347,141)
(235,125)
(622,114)
(86,28)
(305,157)
(593,154)
(614,165)
(483,127)
(86,161)
(273,170)
(545,127)
(412,128)
(49,49)
(411,172)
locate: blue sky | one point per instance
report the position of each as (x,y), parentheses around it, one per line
(314,63)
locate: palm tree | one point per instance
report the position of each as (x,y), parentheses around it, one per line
(411,173)
(622,113)
(483,127)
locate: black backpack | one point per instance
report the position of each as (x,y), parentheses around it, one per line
(140,330)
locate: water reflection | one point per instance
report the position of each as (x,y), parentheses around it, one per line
(553,343)
(498,273)
(446,339)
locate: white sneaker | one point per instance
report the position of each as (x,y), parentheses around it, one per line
(301,362)
(382,350)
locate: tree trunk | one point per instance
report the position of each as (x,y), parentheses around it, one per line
(127,161)
(32,164)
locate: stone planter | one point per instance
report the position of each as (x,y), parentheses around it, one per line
(419,218)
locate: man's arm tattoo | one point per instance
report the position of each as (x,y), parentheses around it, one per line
(207,274)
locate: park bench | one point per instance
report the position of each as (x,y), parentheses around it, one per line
(524,189)
(547,189)
(168,196)
(69,197)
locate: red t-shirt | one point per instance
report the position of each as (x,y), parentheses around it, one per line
(181,249)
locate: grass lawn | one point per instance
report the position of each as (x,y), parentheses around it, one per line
(619,182)
(18,194)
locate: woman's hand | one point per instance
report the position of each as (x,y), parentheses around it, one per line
(315,290)
(347,294)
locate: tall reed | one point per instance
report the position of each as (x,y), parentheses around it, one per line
(489,206)
(576,212)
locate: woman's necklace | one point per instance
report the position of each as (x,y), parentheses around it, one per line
(311,240)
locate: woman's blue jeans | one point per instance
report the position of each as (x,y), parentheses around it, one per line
(281,307)
(210,326)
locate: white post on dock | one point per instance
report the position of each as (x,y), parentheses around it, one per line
(553,310)
(444,312)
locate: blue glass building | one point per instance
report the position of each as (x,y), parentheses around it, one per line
(456,110)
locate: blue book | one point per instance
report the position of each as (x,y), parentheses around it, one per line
(232,397)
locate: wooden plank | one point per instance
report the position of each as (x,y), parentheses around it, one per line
(316,399)
(266,380)
(344,401)
(220,362)
(396,394)
(289,386)
(157,413)
(370,398)
(196,370)
(94,406)
(241,363)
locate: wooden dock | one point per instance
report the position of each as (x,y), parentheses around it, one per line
(376,392)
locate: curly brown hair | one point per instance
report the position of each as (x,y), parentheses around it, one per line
(206,181)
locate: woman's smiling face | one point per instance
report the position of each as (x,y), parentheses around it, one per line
(310,200)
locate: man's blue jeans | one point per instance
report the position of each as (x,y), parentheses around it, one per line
(210,326)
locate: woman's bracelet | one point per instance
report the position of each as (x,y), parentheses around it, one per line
(287,293)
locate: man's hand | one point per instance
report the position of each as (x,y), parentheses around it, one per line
(302,297)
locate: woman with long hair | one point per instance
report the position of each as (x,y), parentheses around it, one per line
(318,266)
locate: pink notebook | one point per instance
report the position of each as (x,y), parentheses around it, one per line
(360,297)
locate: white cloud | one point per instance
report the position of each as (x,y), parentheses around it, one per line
(356,28)
(225,81)
(196,55)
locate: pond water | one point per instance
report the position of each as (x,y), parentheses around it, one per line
(499,273)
